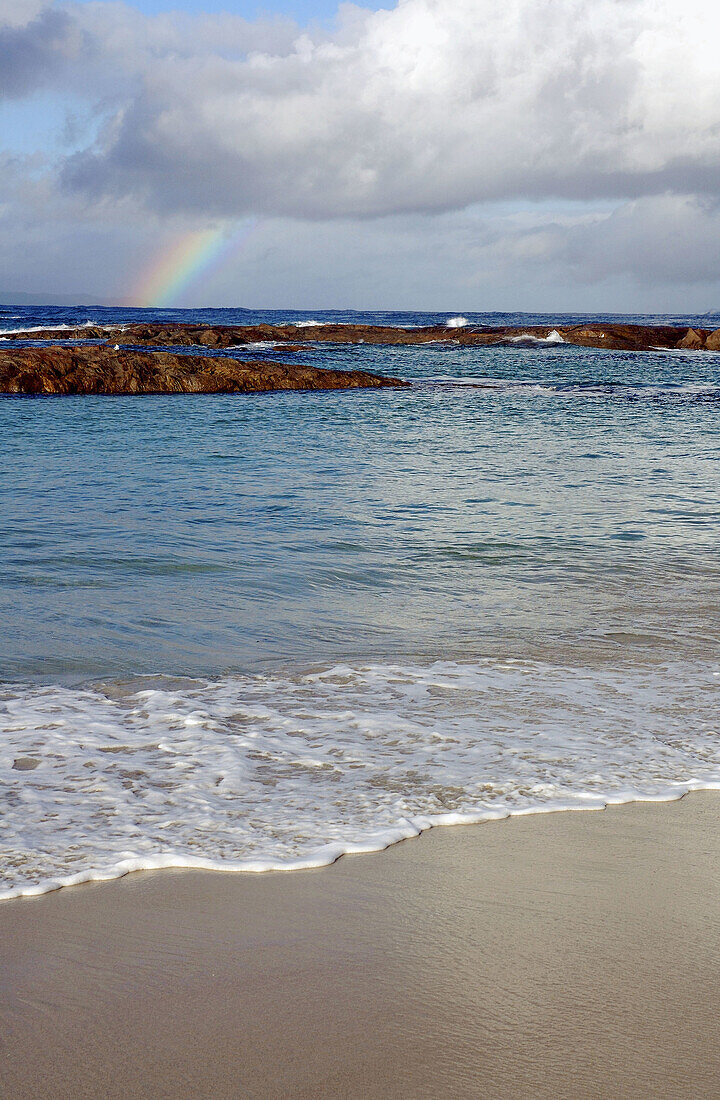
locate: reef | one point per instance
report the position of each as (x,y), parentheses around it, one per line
(623,337)
(97,369)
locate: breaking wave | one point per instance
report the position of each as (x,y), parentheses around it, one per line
(552,338)
(52,328)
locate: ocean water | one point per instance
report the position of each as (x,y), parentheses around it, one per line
(261,631)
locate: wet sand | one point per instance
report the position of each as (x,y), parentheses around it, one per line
(570,954)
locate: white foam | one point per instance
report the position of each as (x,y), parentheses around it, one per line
(691,353)
(553,337)
(259,773)
(320,324)
(456,322)
(53,328)
(257,345)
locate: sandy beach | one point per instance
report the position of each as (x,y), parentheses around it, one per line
(567,954)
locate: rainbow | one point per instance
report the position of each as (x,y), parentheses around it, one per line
(198,253)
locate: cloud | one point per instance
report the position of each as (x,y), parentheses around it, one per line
(482,149)
(656,254)
(18,13)
(432,106)
(33,53)
(663,239)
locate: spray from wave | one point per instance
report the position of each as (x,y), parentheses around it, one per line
(52,328)
(553,337)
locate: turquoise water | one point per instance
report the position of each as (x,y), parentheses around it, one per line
(548,509)
(577,496)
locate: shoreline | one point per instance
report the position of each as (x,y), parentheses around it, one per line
(540,955)
(329,855)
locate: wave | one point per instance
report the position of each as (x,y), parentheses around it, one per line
(375,319)
(456,322)
(53,328)
(552,338)
(685,353)
(282,772)
(258,345)
(231,349)
(682,391)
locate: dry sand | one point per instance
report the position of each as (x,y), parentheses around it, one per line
(564,955)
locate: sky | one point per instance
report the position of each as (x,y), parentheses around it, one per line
(539,155)
(301,11)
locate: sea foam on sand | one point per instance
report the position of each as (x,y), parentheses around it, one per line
(261,772)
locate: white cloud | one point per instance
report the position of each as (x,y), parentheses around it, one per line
(431,106)
(18,13)
(406,126)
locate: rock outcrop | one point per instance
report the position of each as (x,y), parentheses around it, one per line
(619,337)
(103,370)
(693,341)
(624,337)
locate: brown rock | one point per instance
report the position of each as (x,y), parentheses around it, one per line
(208,339)
(612,336)
(713,341)
(693,340)
(102,370)
(622,337)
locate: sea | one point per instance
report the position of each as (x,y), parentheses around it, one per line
(254,632)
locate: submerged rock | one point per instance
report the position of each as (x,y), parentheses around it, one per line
(104,370)
(25,764)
